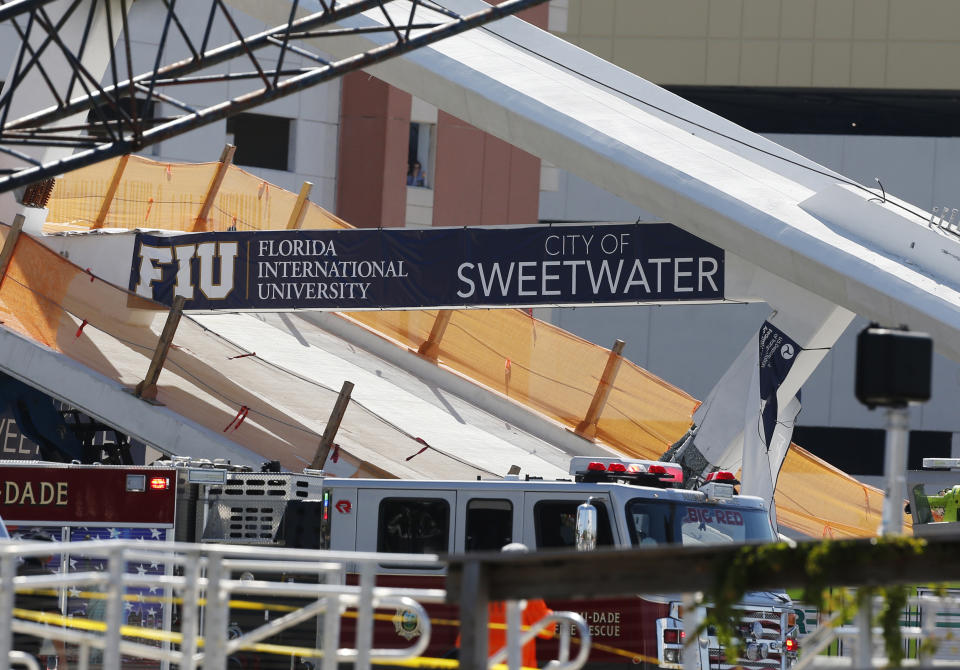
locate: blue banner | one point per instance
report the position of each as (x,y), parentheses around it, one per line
(400,268)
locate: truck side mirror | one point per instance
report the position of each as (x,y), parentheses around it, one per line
(587,526)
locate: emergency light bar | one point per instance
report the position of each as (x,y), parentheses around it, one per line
(723,476)
(719,484)
(587,468)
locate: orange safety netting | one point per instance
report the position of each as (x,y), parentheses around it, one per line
(549,370)
(556,373)
(170,196)
(205,378)
(508,351)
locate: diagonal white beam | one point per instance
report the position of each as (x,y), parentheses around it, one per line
(729,186)
(108,401)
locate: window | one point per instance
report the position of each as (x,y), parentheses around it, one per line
(653,523)
(649,524)
(419,154)
(706,524)
(556,523)
(413,526)
(860,451)
(262,141)
(843,111)
(489,525)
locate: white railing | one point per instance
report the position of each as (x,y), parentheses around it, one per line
(867,639)
(204,579)
(517,638)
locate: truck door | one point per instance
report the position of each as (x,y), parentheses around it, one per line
(487,520)
(550,520)
(342,502)
(406,521)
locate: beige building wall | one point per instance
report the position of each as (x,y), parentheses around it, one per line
(897,44)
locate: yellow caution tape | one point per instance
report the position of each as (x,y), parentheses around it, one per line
(158,635)
(95,626)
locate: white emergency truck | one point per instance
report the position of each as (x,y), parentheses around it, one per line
(638,504)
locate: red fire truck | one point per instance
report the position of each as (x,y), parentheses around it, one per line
(638,504)
(70,503)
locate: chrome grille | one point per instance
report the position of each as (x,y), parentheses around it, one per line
(761,632)
(248,507)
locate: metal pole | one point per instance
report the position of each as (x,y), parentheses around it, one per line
(83,653)
(114,613)
(167,611)
(474,615)
(8,570)
(331,633)
(863,653)
(215,628)
(189,619)
(692,617)
(513,633)
(928,621)
(895,465)
(364,640)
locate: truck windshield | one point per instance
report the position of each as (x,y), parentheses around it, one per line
(653,523)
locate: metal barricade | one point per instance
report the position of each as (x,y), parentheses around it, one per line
(867,641)
(517,638)
(203,580)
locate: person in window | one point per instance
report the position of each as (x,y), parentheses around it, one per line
(533,610)
(415,176)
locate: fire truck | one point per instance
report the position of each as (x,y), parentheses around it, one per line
(638,504)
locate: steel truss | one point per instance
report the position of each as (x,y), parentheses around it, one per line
(99,119)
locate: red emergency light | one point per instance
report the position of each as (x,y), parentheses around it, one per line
(159,483)
(790,644)
(722,476)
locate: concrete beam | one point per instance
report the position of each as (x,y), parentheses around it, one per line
(110,402)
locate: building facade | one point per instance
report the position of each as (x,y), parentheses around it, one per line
(865,87)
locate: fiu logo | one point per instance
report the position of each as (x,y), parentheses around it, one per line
(207,266)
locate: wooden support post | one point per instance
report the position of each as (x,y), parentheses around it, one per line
(431,346)
(300,208)
(147,389)
(588,427)
(10,243)
(226,158)
(111,191)
(333,425)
